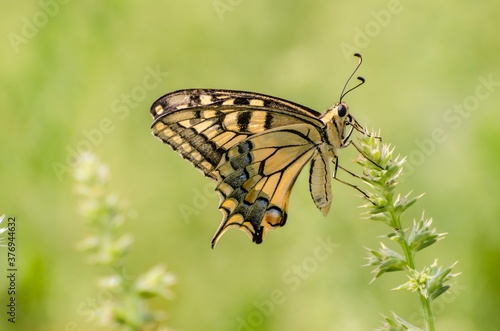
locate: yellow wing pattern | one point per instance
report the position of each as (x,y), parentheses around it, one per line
(254,146)
(257,175)
(202,124)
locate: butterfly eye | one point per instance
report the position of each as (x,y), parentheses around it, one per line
(341,110)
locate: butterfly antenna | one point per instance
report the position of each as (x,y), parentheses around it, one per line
(343,94)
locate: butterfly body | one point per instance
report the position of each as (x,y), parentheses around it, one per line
(254,146)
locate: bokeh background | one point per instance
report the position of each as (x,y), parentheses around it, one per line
(78,75)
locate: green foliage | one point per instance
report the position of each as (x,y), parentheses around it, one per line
(396,323)
(381,171)
(107,246)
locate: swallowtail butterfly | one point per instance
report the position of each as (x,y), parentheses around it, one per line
(254,146)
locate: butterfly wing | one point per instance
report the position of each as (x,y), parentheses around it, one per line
(203,124)
(253,145)
(257,175)
(320,183)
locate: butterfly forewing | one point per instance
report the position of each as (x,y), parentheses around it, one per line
(202,124)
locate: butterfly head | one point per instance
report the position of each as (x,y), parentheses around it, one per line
(336,119)
(343,118)
(339,117)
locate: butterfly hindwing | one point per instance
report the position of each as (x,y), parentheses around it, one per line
(320,183)
(257,175)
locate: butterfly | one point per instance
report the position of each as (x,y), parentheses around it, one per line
(254,146)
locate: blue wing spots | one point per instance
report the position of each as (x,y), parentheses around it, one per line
(245,146)
(241,161)
(258,209)
(244,158)
(237,178)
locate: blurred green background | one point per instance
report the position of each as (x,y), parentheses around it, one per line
(81,75)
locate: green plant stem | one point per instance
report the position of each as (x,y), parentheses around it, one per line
(426,302)
(426,305)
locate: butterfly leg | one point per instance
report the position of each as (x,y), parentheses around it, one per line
(346,140)
(337,166)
